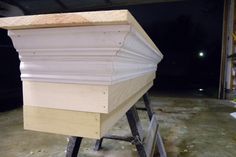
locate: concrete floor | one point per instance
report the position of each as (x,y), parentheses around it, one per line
(190,128)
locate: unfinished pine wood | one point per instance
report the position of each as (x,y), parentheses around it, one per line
(80,97)
(66,122)
(76,123)
(108,120)
(114,17)
(76,97)
(120,92)
(66,19)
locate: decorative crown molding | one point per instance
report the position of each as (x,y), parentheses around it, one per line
(87,54)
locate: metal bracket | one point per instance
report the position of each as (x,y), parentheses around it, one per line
(136,140)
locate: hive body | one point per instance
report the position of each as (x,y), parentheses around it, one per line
(81,75)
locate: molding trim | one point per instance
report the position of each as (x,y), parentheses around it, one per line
(102,55)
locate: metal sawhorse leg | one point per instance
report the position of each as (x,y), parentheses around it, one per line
(145,144)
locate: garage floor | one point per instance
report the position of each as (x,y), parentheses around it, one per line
(190,128)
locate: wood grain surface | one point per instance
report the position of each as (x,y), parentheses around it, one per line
(114,17)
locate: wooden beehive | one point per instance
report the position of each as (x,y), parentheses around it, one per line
(81,71)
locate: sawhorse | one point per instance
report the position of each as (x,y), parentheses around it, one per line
(145,144)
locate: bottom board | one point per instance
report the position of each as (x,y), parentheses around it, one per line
(76,123)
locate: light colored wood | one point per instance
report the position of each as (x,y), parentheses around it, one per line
(64,122)
(76,97)
(66,20)
(108,120)
(76,123)
(115,17)
(81,97)
(120,92)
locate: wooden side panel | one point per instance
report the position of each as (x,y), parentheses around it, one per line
(64,122)
(108,120)
(66,96)
(79,97)
(76,123)
(120,92)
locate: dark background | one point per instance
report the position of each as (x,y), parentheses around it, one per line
(179,29)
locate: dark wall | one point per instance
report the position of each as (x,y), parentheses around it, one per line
(10,83)
(181,30)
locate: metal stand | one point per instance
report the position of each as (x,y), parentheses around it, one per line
(73,146)
(145,144)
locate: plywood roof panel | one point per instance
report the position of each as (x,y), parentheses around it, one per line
(66,19)
(114,17)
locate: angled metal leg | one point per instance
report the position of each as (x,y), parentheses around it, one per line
(144,148)
(160,145)
(136,129)
(151,137)
(98,144)
(150,112)
(147,104)
(73,146)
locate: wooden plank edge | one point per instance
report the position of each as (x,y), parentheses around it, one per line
(64,122)
(111,17)
(143,33)
(108,120)
(121,92)
(65,20)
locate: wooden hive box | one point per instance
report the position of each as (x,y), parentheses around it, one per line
(81,71)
